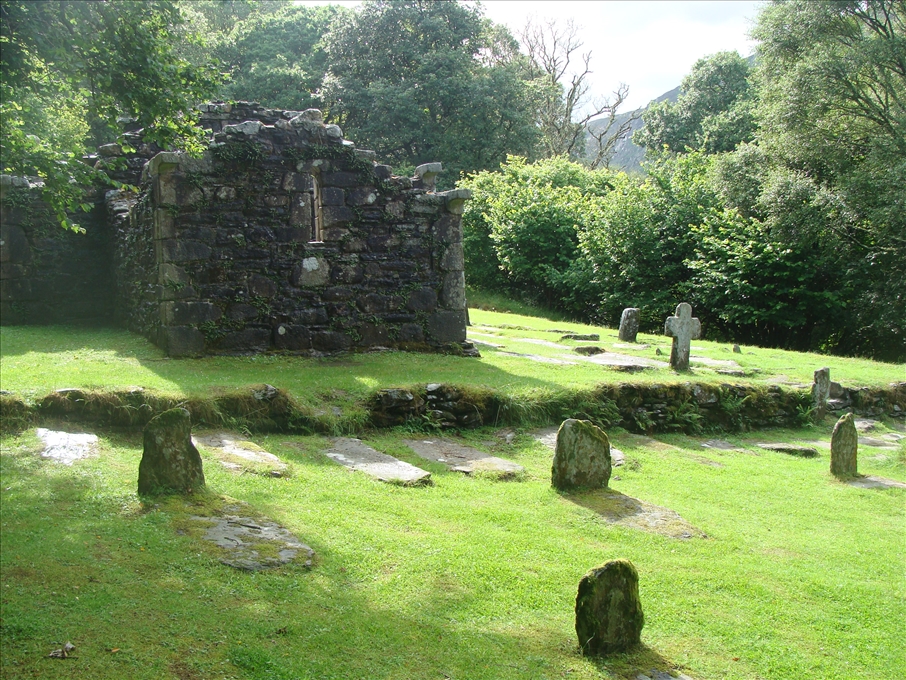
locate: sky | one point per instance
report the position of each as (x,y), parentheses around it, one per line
(649,45)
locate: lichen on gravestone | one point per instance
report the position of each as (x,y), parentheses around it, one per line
(609,615)
(582,457)
(844,448)
(170,462)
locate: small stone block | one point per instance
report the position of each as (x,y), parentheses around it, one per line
(609,615)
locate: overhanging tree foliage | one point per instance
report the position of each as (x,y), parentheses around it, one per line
(70,69)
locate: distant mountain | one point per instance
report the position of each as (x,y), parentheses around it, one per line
(628,156)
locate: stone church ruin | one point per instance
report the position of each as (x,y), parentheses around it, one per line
(282,236)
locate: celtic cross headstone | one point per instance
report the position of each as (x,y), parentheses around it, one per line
(684,328)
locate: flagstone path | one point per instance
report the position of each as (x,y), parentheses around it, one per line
(460,458)
(356,455)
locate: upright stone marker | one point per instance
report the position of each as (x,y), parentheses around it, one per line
(844,448)
(629,324)
(821,392)
(683,328)
(609,616)
(582,457)
(170,462)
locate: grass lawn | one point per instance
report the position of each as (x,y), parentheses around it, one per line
(799,575)
(791,573)
(36,360)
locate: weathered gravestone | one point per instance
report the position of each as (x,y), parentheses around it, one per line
(844,447)
(170,462)
(821,392)
(629,324)
(609,616)
(582,457)
(683,328)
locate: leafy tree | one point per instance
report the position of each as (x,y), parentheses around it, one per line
(714,111)
(69,69)
(422,81)
(832,88)
(276,58)
(521,228)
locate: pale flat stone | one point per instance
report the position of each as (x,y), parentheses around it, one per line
(877,443)
(241,538)
(548,437)
(872,482)
(866,424)
(543,343)
(484,343)
(719,444)
(706,361)
(356,455)
(540,359)
(660,675)
(627,345)
(462,458)
(66,447)
(617,359)
(234,452)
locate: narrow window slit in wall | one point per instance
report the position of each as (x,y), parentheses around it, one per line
(317,220)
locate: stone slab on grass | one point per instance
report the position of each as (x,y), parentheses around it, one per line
(877,442)
(620,509)
(543,343)
(706,361)
(254,544)
(66,447)
(660,675)
(872,482)
(720,445)
(617,359)
(460,458)
(238,454)
(356,455)
(540,359)
(792,449)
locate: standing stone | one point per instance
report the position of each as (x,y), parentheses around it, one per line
(170,462)
(821,392)
(844,447)
(629,324)
(609,616)
(582,456)
(684,328)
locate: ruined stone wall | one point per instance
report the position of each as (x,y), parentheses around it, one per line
(284,236)
(49,275)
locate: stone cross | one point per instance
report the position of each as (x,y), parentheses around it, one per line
(684,328)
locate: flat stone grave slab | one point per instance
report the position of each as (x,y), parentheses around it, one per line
(617,359)
(623,510)
(873,482)
(877,443)
(540,359)
(660,675)
(356,455)
(720,445)
(792,449)
(462,458)
(254,544)
(543,343)
(66,447)
(706,361)
(484,343)
(631,345)
(866,424)
(548,437)
(240,455)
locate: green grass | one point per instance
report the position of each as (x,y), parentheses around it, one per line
(37,360)
(799,576)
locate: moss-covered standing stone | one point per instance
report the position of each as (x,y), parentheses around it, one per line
(170,462)
(582,456)
(844,447)
(609,616)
